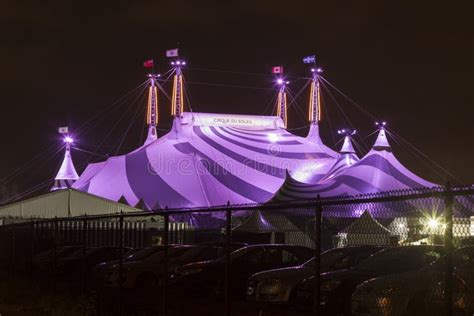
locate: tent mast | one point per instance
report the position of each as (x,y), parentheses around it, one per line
(282,108)
(314,111)
(177,99)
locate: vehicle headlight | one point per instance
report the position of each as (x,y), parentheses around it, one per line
(383,301)
(330,285)
(252,282)
(270,286)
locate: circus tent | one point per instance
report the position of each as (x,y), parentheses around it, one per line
(378,171)
(208,160)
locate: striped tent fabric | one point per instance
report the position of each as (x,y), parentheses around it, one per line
(347,158)
(209,160)
(378,171)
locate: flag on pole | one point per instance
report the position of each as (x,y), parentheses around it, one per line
(63,130)
(277,70)
(172,53)
(310,59)
(148,63)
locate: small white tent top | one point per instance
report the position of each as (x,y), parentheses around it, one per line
(67,173)
(63,203)
(365,230)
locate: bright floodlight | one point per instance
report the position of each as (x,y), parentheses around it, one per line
(319,70)
(183,63)
(433,223)
(280,81)
(68,140)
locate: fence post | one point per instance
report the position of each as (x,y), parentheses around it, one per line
(55,254)
(84,248)
(317,255)
(228,250)
(32,250)
(165,262)
(448,244)
(13,251)
(120,264)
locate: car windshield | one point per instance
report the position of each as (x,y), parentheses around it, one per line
(77,254)
(172,253)
(327,258)
(144,253)
(201,253)
(399,259)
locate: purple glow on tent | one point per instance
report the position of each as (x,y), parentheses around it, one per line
(206,160)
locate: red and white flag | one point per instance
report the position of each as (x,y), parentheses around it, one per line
(172,53)
(277,70)
(148,63)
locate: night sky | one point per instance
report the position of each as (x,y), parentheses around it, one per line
(62,63)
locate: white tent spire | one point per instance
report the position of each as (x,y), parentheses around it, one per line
(67,173)
(381,143)
(347,147)
(152,109)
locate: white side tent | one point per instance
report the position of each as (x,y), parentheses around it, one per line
(365,230)
(63,203)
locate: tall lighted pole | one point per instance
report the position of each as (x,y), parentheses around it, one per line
(282,107)
(152,109)
(314,110)
(177,98)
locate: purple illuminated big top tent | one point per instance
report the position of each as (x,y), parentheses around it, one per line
(208,160)
(214,159)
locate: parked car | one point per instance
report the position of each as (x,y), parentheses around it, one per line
(338,286)
(45,259)
(148,273)
(84,260)
(102,270)
(138,255)
(276,286)
(208,276)
(419,292)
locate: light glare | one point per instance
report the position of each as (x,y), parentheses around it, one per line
(273,138)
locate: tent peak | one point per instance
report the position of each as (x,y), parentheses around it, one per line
(347,147)
(381,143)
(67,173)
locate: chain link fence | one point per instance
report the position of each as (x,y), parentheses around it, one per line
(393,253)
